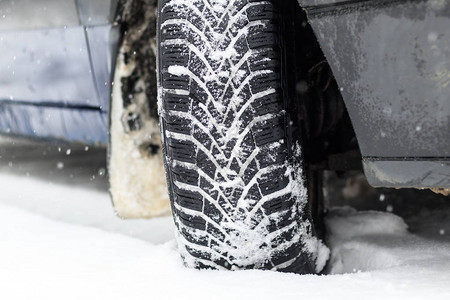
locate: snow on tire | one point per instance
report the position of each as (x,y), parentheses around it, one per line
(233,171)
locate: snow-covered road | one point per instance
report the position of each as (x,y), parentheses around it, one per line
(62,241)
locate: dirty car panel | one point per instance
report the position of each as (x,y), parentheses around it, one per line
(391,60)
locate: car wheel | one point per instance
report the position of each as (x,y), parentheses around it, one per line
(233,162)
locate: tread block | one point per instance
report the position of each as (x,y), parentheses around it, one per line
(241,46)
(197,93)
(273,181)
(205,164)
(170,13)
(272,154)
(265,81)
(181,150)
(269,61)
(272,103)
(253,196)
(269,131)
(201,240)
(184,175)
(175,82)
(284,220)
(279,204)
(198,253)
(263,38)
(202,137)
(178,124)
(188,199)
(216,233)
(284,236)
(250,172)
(213,212)
(174,102)
(172,31)
(264,11)
(175,55)
(191,221)
(301,265)
(286,256)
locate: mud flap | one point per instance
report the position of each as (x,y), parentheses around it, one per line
(136,171)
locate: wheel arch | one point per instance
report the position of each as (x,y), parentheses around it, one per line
(389,58)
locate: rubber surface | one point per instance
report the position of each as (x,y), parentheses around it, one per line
(236,186)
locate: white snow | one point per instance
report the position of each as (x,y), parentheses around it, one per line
(64,242)
(177,70)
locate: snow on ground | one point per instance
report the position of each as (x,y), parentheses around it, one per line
(62,241)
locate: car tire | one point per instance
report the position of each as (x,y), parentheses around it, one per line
(233,161)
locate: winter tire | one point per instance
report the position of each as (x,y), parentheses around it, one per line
(233,167)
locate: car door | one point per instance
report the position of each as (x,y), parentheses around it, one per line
(57,57)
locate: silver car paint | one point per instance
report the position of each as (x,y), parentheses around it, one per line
(56,55)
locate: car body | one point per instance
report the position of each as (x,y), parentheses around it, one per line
(56,68)
(390,59)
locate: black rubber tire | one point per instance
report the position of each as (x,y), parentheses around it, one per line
(233,168)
